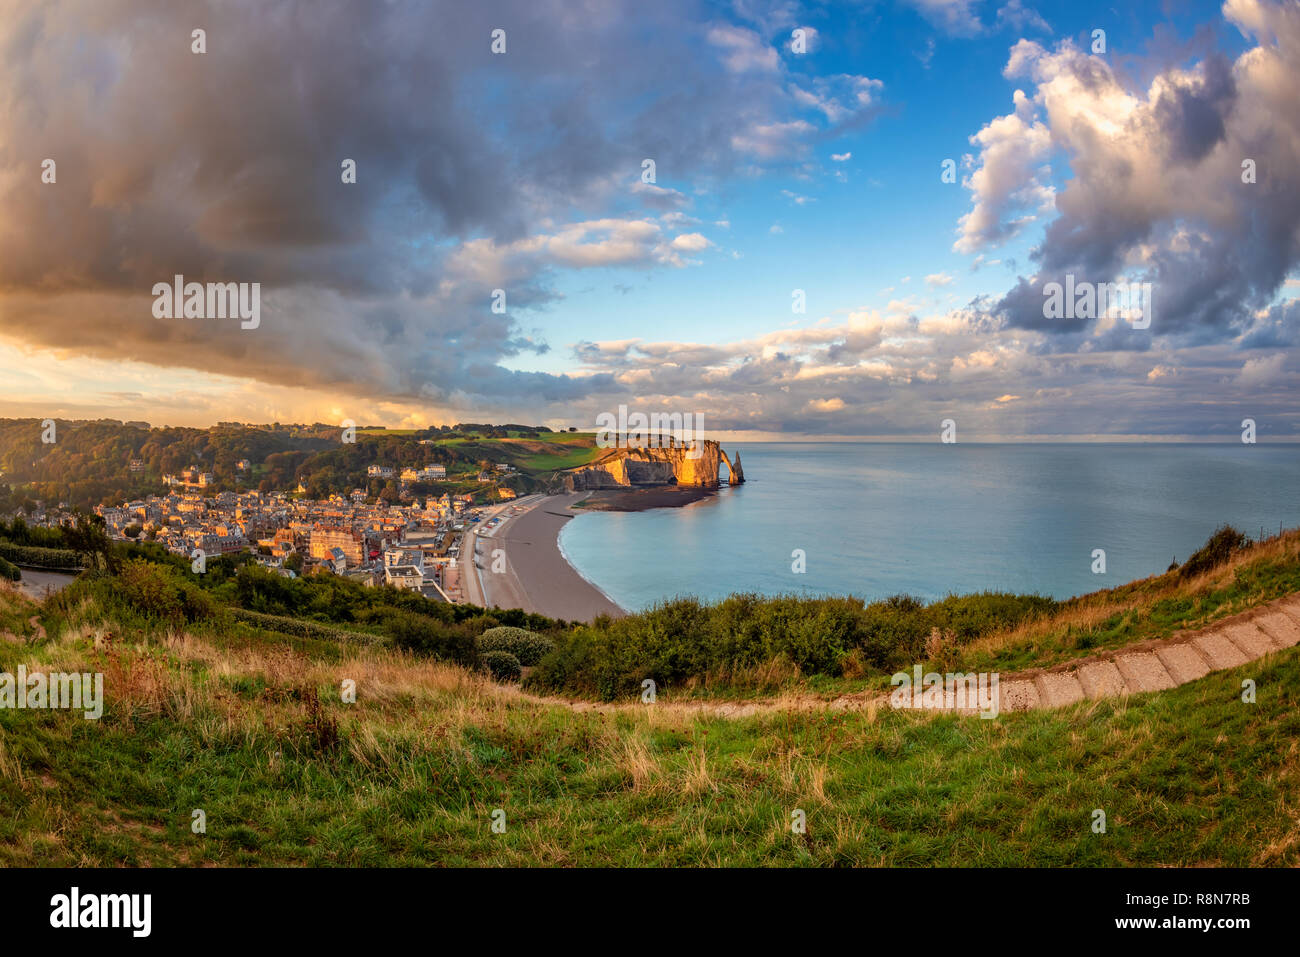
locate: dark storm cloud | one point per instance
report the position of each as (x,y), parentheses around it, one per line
(225,166)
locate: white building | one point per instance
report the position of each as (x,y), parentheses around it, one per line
(404,576)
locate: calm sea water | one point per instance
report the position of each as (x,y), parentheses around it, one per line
(878,519)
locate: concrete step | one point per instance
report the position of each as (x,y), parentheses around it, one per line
(1247,636)
(1219,651)
(1143,671)
(1281,627)
(1101,680)
(1058,689)
(1018,695)
(1183,662)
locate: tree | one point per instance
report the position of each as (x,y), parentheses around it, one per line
(88,537)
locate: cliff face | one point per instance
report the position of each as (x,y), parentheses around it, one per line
(625,468)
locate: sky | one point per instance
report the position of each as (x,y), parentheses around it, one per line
(655,190)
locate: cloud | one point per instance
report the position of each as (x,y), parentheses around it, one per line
(811,40)
(1016,16)
(938,279)
(474,172)
(769,141)
(956,17)
(1008,179)
(841,157)
(744,49)
(660,197)
(1262,371)
(846,100)
(1157,188)
(826,405)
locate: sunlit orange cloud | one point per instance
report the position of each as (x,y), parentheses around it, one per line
(47,385)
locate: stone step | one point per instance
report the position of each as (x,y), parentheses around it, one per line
(1018,695)
(1101,680)
(1219,651)
(1281,627)
(964,700)
(1183,662)
(1247,636)
(1058,689)
(1143,671)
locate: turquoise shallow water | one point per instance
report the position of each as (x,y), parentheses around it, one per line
(876,519)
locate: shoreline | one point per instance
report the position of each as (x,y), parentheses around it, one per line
(565,558)
(642,499)
(537,576)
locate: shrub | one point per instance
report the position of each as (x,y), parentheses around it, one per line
(427,636)
(1216,550)
(158,592)
(527,646)
(502,665)
(746,634)
(10,571)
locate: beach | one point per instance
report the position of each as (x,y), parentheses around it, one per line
(534,575)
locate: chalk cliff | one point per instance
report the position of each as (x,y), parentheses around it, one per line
(626,468)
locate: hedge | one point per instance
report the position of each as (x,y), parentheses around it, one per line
(40,557)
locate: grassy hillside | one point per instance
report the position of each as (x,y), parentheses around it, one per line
(239,713)
(211,712)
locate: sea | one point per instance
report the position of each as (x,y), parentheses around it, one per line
(877,519)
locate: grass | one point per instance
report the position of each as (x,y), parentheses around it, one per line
(250,728)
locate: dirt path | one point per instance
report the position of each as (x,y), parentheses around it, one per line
(1153,665)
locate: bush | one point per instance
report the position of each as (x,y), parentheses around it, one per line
(1216,550)
(10,571)
(502,665)
(427,636)
(527,646)
(684,640)
(158,592)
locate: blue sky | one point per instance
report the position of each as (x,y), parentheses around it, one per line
(873,220)
(776,171)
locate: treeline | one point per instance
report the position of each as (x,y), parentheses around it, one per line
(23,544)
(496,431)
(89,463)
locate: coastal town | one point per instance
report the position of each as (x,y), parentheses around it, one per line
(469,515)
(413,544)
